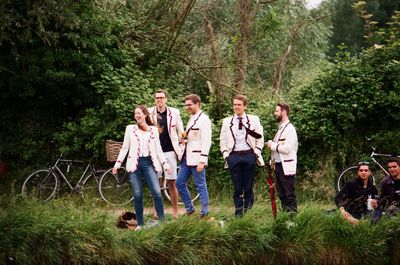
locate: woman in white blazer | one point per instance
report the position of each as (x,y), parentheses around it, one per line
(145,158)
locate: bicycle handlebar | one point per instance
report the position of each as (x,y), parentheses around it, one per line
(380,155)
(71,161)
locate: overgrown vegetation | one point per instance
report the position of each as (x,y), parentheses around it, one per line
(74,71)
(67,232)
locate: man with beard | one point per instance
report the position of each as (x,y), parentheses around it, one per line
(284,158)
(196,143)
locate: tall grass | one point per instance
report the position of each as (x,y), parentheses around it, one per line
(67,231)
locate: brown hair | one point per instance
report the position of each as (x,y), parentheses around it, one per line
(393,159)
(242,98)
(161,91)
(145,112)
(194,98)
(284,106)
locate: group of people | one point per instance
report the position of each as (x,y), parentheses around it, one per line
(158,142)
(359,197)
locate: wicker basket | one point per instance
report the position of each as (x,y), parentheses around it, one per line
(112,150)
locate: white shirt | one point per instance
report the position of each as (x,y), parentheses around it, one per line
(144,138)
(240,135)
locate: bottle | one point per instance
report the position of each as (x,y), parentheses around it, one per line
(369,203)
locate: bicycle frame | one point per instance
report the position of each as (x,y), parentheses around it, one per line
(373,155)
(58,171)
(345,176)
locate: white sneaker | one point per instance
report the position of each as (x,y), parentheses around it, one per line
(153,223)
(139,227)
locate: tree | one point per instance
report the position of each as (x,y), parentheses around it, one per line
(348,27)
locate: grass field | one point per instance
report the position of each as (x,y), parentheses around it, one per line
(69,230)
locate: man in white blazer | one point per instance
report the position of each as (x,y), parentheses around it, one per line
(195,143)
(284,157)
(241,142)
(169,123)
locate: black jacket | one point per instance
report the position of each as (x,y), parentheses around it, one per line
(353,197)
(389,194)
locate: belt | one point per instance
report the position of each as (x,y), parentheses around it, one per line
(242,152)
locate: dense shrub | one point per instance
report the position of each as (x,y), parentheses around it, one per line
(355,98)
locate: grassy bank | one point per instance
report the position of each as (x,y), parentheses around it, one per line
(66,231)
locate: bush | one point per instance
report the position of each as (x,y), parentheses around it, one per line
(355,98)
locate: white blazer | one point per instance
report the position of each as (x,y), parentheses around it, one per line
(286,147)
(198,133)
(227,137)
(131,146)
(174,124)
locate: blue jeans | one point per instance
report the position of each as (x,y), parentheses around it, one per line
(184,173)
(145,168)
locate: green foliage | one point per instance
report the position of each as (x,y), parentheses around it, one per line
(350,29)
(273,32)
(122,90)
(75,76)
(63,232)
(49,61)
(355,98)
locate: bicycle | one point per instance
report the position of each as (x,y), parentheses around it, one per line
(377,174)
(45,183)
(116,189)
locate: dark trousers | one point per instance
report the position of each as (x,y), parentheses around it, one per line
(243,170)
(286,189)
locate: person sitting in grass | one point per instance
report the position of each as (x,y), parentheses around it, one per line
(353,198)
(389,199)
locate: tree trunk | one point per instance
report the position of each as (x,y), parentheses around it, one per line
(241,48)
(219,73)
(281,63)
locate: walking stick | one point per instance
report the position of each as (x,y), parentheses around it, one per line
(271,185)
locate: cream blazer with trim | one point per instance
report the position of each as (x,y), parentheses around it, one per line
(227,137)
(175,127)
(198,143)
(131,147)
(287,149)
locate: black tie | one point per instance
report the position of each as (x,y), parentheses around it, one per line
(240,123)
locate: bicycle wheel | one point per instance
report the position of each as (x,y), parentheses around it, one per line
(191,186)
(90,184)
(377,176)
(115,190)
(42,184)
(348,174)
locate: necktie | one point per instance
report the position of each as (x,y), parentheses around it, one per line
(240,123)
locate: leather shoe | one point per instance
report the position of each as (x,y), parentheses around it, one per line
(189,213)
(202,215)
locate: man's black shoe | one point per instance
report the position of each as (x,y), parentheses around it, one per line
(202,215)
(189,213)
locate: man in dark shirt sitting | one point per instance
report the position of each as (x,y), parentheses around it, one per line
(352,200)
(389,200)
